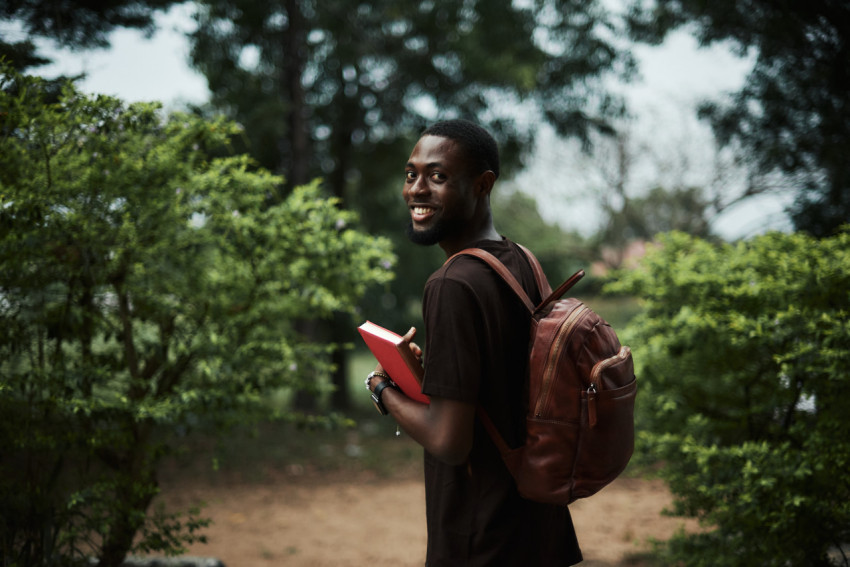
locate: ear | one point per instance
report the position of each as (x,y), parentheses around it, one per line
(484,183)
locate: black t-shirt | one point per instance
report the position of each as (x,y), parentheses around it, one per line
(476,350)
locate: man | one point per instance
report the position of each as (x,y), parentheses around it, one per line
(477,334)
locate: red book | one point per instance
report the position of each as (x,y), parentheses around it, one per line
(396,358)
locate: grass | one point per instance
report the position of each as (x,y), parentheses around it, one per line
(271,450)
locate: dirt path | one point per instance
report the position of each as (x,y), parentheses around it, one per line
(320,522)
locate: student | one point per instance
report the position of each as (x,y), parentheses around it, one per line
(477,334)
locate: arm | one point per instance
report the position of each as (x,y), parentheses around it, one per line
(444,427)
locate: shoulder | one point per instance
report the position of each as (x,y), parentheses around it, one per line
(463,267)
(460,269)
(457,284)
(466,278)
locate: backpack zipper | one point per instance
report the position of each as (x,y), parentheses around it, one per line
(596,383)
(591,404)
(563,333)
(604,364)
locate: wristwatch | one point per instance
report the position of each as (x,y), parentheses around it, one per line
(378,392)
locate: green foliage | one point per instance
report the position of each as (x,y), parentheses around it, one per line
(744,355)
(660,210)
(344,80)
(560,253)
(342,89)
(146,288)
(790,116)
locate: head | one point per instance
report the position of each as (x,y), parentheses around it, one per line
(481,149)
(448,180)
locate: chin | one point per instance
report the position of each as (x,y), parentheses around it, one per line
(425,236)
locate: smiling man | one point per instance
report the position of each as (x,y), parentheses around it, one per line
(477,334)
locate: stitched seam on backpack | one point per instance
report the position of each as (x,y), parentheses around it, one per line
(564,333)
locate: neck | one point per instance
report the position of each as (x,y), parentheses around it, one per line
(484,232)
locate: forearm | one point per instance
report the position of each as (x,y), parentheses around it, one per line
(443,427)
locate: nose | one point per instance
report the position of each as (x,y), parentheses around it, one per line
(418,188)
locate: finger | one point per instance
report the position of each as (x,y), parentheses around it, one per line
(408,336)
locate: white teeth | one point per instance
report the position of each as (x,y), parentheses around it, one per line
(421,210)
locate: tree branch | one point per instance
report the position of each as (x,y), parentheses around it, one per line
(124,312)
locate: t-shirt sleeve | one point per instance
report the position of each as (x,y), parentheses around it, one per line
(454,330)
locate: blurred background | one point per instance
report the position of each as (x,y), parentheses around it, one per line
(183,279)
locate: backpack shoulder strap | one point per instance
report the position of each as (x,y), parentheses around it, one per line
(504,449)
(543,285)
(509,278)
(546,292)
(542,282)
(500,269)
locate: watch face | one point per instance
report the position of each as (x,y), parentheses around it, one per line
(378,406)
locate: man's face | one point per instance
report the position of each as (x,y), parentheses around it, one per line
(438,190)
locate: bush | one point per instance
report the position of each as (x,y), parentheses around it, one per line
(743,351)
(146,287)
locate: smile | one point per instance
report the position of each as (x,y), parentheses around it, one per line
(420,213)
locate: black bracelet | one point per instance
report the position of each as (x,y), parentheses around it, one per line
(378,392)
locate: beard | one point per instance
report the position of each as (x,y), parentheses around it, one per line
(436,233)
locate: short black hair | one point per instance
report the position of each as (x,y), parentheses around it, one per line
(479,145)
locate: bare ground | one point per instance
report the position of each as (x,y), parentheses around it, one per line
(297,516)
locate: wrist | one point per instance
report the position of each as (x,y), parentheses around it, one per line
(374,374)
(378,394)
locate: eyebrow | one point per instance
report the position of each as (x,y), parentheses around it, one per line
(427,165)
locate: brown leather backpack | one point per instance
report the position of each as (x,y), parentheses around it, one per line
(581,396)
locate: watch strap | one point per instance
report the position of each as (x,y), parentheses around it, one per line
(378,393)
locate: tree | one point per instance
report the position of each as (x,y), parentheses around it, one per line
(636,183)
(560,253)
(742,352)
(146,287)
(791,115)
(319,88)
(634,211)
(341,89)
(72,23)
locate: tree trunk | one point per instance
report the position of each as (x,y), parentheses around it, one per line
(295,159)
(293,69)
(341,397)
(135,476)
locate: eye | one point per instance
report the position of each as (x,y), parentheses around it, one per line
(438,176)
(409,175)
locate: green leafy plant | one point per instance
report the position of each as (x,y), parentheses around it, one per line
(743,352)
(149,284)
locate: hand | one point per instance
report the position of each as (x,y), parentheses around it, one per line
(414,348)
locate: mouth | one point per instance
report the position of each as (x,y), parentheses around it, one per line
(421,213)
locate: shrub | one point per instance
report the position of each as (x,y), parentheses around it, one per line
(146,287)
(743,352)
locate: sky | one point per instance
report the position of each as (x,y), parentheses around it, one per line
(674,78)
(136,68)
(671,144)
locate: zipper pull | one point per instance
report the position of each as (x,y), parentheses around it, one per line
(591,405)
